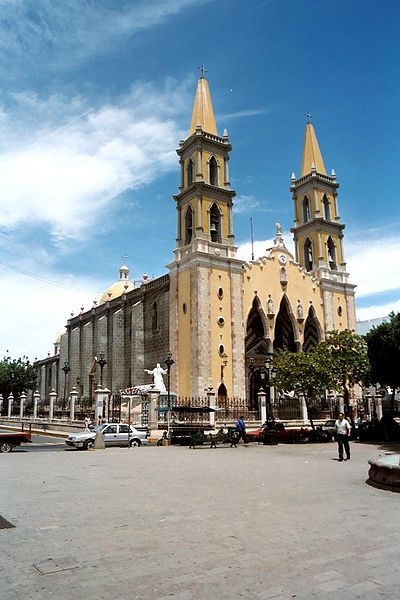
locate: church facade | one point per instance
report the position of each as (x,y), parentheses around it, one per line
(218,316)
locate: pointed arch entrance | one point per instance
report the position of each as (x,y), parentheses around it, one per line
(284,339)
(312,331)
(222,395)
(257,346)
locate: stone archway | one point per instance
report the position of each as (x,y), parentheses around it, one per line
(284,339)
(312,331)
(257,346)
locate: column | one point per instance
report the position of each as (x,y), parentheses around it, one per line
(211,404)
(153,400)
(52,399)
(73,395)
(378,405)
(10,402)
(262,402)
(304,410)
(100,395)
(36,400)
(22,399)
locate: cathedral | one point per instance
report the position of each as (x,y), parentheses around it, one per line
(218,316)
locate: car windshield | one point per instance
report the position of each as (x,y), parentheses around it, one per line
(100,427)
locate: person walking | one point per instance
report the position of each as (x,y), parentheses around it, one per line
(343,431)
(241,429)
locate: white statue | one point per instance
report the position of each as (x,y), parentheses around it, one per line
(158,380)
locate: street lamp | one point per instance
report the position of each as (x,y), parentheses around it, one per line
(169,361)
(270,370)
(251,384)
(224,358)
(101,361)
(66,368)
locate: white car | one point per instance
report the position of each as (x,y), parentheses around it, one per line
(115,434)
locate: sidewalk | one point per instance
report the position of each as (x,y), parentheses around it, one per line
(255,522)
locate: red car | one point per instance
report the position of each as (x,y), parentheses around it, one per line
(291,435)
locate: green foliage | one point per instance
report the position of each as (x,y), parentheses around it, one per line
(306,374)
(16,376)
(347,354)
(337,364)
(384,352)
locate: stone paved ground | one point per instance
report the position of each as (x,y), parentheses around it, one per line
(253,522)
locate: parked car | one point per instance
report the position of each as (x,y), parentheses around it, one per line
(329,426)
(285,435)
(115,434)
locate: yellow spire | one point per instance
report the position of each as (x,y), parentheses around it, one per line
(312,157)
(203,112)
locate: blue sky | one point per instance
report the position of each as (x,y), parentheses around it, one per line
(96,95)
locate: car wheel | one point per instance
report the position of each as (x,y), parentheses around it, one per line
(88,444)
(135,442)
(5,447)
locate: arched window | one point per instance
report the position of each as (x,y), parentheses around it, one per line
(213,167)
(154,317)
(189,171)
(331,253)
(306,210)
(188,225)
(215,224)
(327,208)
(308,255)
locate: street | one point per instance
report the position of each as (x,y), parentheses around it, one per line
(260,522)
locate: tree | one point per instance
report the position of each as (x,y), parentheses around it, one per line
(346,352)
(337,364)
(307,374)
(383,343)
(16,376)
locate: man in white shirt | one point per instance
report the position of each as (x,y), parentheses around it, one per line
(343,431)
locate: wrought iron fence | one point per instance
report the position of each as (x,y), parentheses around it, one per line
(286,408)
(321,408)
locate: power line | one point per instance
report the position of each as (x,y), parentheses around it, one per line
(41,278)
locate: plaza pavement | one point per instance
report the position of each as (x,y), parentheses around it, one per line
(256,522)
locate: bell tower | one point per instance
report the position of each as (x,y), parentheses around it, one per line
(204,202)
(205,276)
(318,233)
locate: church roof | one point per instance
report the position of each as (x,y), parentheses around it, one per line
(123,285)
(312,157)
(203,112)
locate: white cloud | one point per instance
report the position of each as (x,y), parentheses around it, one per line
(243,203)
(373,262)
(57,171)
(72,30)
(39,311)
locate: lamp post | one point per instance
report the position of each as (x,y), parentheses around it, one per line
(270,370)
(224,358)
(251,384)
(101,361)
(66,368)
(169,361)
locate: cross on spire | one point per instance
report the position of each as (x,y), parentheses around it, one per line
(203,71)
(308,116)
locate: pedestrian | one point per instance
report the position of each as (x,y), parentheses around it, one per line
(343,430)
(241,429)
(88,422)
(99,420)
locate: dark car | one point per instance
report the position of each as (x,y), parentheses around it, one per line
(285,435)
